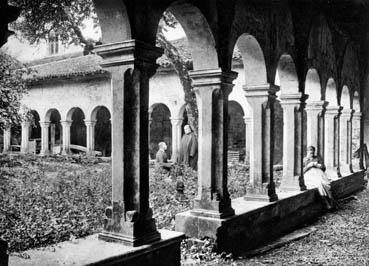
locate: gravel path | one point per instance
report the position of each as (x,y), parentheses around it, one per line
(341,238)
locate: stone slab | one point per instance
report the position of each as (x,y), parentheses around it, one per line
(348,185)
(256,223)
(92,251)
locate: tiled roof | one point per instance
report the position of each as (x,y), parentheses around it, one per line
(71,67)
(76,65)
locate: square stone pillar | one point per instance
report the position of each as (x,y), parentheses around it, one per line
(66,136)
(314,113)
(212,88)
(176,136)
(44,138)
(248,132)
(25,137)
(345,142)
(7,139)
(331,135)
(261,99)
(356,125)
(90,137)
(131,64)
(292,142)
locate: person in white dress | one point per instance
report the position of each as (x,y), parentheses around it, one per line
(315,177)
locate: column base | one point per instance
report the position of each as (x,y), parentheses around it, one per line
(261,194)
(130,240)
(212,209)
(129,227)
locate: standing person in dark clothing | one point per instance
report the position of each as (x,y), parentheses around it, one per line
(188,149)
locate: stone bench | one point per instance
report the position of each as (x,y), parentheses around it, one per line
(92,251)
(256,223)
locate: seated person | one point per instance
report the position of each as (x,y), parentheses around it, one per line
(315,177)
(161,159)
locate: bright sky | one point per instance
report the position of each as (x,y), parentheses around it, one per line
(23,51)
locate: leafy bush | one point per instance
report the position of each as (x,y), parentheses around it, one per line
(46,200)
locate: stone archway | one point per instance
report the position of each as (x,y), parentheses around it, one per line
(101,125)
(78,127)
(288,126)
(160,128)
(236,129)
(314,110)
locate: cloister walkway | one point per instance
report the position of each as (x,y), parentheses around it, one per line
(341,238)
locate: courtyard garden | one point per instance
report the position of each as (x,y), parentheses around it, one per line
(53,199)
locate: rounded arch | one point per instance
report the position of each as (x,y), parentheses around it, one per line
(313,85)
(253,60)
(356,102)
(72,112)
(345,97)
(236,128)
(51,113)
(181,111)
(286,75)
(102,142)
(113,19)
(199,34)
(160,128)
(331,92)
(78,127)
(94,113)
(35,132)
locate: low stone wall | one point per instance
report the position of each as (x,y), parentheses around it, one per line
(348,185)
(256,223)
(92,251)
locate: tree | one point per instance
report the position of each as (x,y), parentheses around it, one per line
(40,18)
(181,65)
(65,18)
(13,86)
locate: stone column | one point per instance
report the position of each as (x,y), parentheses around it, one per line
(66,136)
(176,136)
(44,138)
(149,134)
(52,138)
(356,124)
(261,99)
(345,142)
(7,139)
(292,142)
(131,64)
(90,135)
(248,139)
(330,141)
(315,110)
(212,88)
(25,137)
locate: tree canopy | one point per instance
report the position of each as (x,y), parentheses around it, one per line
(12,88)
(65,19)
